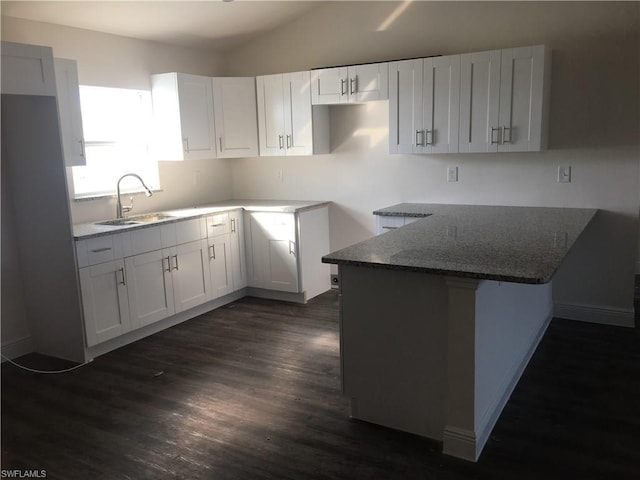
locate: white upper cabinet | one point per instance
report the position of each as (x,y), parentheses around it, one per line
(524,94)
(183,117)
(234,105)
(504,97)
(440,104)
(424,105)
(70,114)
(27,70)
(354,84)
(287,123)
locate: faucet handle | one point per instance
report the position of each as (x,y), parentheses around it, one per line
(128,208)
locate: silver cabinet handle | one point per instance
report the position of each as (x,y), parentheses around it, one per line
(82,152)
(343,83)
(185,144)
(233,225)
(426,137)
(491,140)
(98,250)
(280,141)
(168,259)
(353,85)
(503,138)
(176,259)
(292,248)
(123,281)
(220,141)
(218,225)
(418,134)
(288,141)
(213,252)
(389,228)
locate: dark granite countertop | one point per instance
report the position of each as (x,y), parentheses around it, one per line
(511,244)
(91,230)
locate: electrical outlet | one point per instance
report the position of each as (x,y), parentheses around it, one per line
(452,174)
(564,174)
(335,281)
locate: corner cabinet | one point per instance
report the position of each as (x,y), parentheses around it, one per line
(504,100)
(69,111)
(287,123)
(284,253)
(351,84)
(424,105)
(234,106)
(198,117)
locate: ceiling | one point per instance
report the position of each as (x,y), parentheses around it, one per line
(207,24)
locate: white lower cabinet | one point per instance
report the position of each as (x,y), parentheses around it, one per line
(191,280)
(219,265)
(237,250)
(273,245)
(150,286)
(105,300)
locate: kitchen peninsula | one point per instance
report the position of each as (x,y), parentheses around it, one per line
(439,317)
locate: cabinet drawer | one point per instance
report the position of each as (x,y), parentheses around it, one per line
(387,223)
(181,232)
(93,251)
(218,224)
(145,240)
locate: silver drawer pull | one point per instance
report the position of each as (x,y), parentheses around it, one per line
(103,249)
(123,281)
(218,225)
(390,228)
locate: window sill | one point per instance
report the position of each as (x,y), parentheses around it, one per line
(102,196)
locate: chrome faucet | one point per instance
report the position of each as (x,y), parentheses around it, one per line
(120,209)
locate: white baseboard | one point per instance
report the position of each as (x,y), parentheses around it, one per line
(460,443)
(16,348)
(595,314)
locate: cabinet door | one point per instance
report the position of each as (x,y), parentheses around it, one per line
(220,265)
(105,301)
(237,250)
(150,286)
(27,70)
(68,89)
(191,278)
(368,82)
(329,86)
(479,102)
(521,99)
(274,251)
(271,103)
(441,104)
(297,114)
(234,105)
(196,116)
(405,86)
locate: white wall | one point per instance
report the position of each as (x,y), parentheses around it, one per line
(114,61)
(593,127)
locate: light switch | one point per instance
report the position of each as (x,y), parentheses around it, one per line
(564,174)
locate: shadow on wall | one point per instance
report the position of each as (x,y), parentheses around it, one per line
(345,227)
(594,93)
(603,250)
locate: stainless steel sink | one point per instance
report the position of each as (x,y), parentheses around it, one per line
(137,220)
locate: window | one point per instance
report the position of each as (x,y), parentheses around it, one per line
(117,130)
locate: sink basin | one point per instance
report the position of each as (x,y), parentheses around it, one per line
(137,220)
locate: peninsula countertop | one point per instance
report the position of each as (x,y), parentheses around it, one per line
(503,243)
(93,229)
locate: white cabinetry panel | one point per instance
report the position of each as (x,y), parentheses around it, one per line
(105,300)
(68,91)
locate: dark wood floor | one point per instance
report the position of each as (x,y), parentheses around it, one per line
(251,391)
